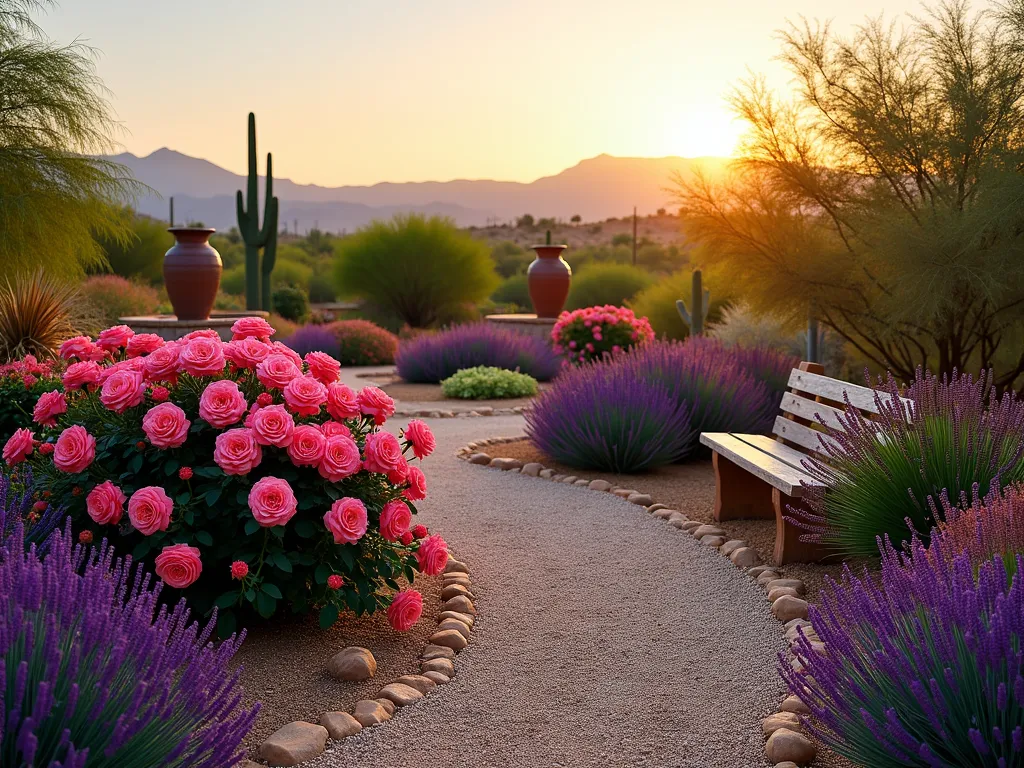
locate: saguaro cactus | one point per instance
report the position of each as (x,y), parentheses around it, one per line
(700,300)
(257,279)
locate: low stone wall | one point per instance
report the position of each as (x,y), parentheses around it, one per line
(169,327)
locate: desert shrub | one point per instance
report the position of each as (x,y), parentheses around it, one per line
(291,303)
(511,259)
(432,357)
(232,281)
(242,511)
(140,256)
(115,297)
(488,383)
(658,304)
(37,313)
(290,273)
(25,514)
(765,364)
(420,269)
(313,338)
(600,284)
(603,416)
(623,238)
(589,334)
(885,477)
(321,285)
(513,290)
(990,527)
(284,327)
(97,668)
(229,302)
(21,384)
(923,666)
(360,342)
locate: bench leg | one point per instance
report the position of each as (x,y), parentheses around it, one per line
(739,494)
(788,547)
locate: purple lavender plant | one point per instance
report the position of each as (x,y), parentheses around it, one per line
(602,415)
(94,671)
(763,363)
(16,509)
(923,669)
(432,357)
(313,338)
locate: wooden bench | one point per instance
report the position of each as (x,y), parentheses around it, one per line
(758,477)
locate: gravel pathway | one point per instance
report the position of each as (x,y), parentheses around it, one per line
(605,636)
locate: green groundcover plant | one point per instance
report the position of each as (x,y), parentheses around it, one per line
(488,383)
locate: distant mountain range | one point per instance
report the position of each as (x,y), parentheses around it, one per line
(595,189)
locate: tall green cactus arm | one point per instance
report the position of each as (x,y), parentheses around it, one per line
(700,300)
(269,206)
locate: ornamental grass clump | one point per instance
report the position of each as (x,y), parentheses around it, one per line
(249,477)
(603,416)
(594,332)
(432,357)
(885,477)
(488,383)
(922,667)
(99,672)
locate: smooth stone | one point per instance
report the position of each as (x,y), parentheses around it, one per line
(437,677)
(465,618)
(772,723)
(744,557)
(569,479)
(757,570)
(352,663)
(581,483)
(480,458)
(451,638)
(388,704)
(547,474)
(461,579)
(766,577)
(795,705)
(668,514)
(787,764)
(437,652)
(444,666)
(690,525)
(788,607)
(679,520)
(712,541)
(599,485)
(785,745)
(369,712)
(454,590)
(457,625)
(506,463)
(793,634)
(731,546)
(340,725)
(454,566)
(402,695)
(532,468)
(778,592)
(707,530)
(655,507)
(797,623)
(557,478)
(640,499)
(294,743)
(421,683)
(624,493)
(459,603)
(794,584)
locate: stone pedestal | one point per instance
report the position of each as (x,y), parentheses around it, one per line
(531,325)
(169,327)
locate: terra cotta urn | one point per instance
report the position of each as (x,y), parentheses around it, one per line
(548,280)
(192,269)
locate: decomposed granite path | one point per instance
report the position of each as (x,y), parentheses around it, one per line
(605,637)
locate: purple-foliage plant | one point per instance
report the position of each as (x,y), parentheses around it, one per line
(94,671)
(17,509)
(765,364)
(313,338)
(432,357)
(602,415)
(922,669)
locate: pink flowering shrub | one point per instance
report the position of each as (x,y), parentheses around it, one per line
(593,332)
(21,384)
(250,478)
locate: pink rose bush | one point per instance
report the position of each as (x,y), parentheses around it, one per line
(593,332)
(251,478)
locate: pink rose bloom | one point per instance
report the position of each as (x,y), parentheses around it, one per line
(376,402)
(247,353)
(74,450)
(82,374)
(237,452)
(143,344)
(272,502)
(307,446)
(323,367)
(162,364)
(202,356)
(80,347)
(399,474)
(291,354)
(330,428)
(18,446)
(112,339)
(432,555)
(49,406)
(276,371)
(122,390)
(346,520)
(150,509)
(272,425)
(304,395)
(405,610)
(222,403)
(178,565)
(417,485)
(421,439)
(252,327)
(105,503)
(134,365)
(340,459)
(202,333)
(383,453)
(395,520)
(342,402)
(165,425)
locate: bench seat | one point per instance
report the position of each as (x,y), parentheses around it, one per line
(774,462)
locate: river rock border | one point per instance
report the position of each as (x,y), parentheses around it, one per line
(299,741)
(787,746)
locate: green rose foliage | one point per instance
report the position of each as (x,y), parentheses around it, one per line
(21,384)
(488,383)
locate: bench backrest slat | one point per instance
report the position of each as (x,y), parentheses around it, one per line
(811,410)
(816,385)
(806,437)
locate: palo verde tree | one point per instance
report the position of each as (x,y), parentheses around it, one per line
(887,195)
(56,195)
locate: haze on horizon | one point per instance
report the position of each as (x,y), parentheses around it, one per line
(360,92)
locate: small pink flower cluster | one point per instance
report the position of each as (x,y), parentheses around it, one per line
(593,332)
(29,370)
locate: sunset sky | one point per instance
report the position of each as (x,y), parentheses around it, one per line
(360,91)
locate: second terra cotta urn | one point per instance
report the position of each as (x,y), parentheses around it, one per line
(548,280)
(192,269)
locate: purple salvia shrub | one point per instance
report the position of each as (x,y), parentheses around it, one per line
(313,338)
(992,527)
(603,416)
(17,508)
(95,671)
(922,667)
(432,357)
(884,477)
(765,364)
